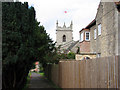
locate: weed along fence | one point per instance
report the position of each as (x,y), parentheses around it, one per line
(93,73)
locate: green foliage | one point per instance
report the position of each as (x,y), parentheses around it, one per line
(71,55)
(41,73)
(23,43)
(28,81)
(54,57)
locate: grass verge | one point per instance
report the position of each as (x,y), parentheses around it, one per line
(41,73)
(28,81)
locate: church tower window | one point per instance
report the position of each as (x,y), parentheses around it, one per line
(64,38)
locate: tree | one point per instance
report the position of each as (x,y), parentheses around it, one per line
(24,42)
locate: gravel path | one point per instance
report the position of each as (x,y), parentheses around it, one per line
(38,82)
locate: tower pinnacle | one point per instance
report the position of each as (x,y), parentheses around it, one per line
(71,24)
(64,25)
(57,24)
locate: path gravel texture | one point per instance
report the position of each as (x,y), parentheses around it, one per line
(39,82)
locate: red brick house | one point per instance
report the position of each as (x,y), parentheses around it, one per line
(85,43)
(85,40)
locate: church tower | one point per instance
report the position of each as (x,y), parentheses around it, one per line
(64,34)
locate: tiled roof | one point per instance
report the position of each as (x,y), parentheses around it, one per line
(72,45)
(94,21)
(118,5)
(91,24)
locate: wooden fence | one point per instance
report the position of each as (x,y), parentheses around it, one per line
(92,73)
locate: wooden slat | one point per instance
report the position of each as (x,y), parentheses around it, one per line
(93,73)
(119,72)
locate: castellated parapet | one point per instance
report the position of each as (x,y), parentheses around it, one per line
(64,27)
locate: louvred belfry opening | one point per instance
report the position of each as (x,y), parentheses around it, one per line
(64,38)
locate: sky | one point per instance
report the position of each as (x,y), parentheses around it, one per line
(81,12)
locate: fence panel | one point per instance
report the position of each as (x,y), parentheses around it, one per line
(77,74)
(119,72)
(116,71)
(55,74)
(93,73)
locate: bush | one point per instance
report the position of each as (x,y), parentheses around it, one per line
(71,55)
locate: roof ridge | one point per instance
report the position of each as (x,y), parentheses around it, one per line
(72,44)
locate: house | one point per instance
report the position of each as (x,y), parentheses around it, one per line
(85,45)
(102,35)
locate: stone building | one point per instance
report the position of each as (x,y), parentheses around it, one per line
(63,34)
(85,46)
(104,30)
(104,33)
(64,38)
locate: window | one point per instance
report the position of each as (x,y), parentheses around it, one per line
(87,58)
(81,37)
(99,29)
(99,55)
(87,36)
(64,38)
(95,34)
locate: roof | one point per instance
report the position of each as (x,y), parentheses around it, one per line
(91,24)
(72,45)
(94,21)
(118,5)
(83,29)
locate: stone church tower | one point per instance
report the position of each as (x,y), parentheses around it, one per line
(64,35)
(64,39)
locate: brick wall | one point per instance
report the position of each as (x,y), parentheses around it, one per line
(85,46)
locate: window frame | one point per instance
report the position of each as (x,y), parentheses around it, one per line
(98,55)
(89,36)
(81,36)
(99,29)
(95,33)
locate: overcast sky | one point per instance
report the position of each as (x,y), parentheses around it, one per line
(81,12)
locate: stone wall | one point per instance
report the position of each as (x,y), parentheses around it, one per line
(92,40)
(59,36)
(106,42)
(60,31)
(110,29)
